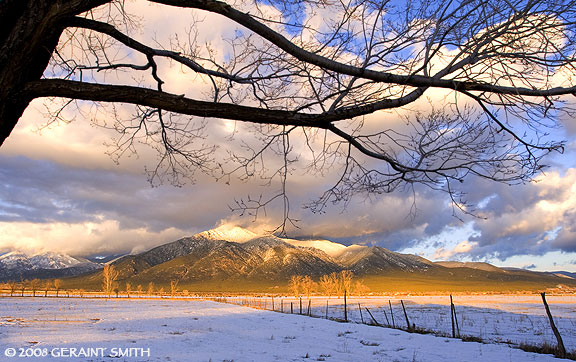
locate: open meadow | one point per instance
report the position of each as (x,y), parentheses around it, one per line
(511,319)
(163,329)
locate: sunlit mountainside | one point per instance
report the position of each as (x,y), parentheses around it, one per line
(236,259)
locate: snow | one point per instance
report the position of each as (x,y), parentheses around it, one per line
(238,234)
(331,248)
(235,234)
(197,330)
(13,259)
(48,260)
(511,319)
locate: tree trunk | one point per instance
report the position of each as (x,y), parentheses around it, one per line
(29,34)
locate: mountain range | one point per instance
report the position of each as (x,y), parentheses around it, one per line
(236,253)
(17,265)
(227,257)
(224,258)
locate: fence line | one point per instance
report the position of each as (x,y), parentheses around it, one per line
(340,306)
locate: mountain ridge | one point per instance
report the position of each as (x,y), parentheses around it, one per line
(16,265)
(207,258)
(207,261)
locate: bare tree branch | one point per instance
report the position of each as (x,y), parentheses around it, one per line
(381,95)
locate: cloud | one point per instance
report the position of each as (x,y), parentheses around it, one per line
(43,192)
(462,248)
(81,239)
(50,196)
(386,220)
(532,219)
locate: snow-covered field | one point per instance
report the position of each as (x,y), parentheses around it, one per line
(196,330)
(512,319)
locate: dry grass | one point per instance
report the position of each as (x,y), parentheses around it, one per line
(546,348)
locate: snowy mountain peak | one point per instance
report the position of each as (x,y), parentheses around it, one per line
(51,260)
(232,233)
(13,259)
(329,247)
(47,260)
(16,254)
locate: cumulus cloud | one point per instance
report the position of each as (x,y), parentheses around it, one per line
(462,248)
(533,219)
(81,239)
(51,195)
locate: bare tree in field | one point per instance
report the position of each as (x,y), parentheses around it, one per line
(139,288)
(385,95)
(295,285)
(57,286)
(34,285)
(12,286)
(346,281)
(109,276)
(128,287)
(360,288)
(150,288)
(47,286)
(173,287)
(326,285)
(23,287)
(308,286)
(336,284)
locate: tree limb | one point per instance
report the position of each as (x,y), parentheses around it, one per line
(301,54)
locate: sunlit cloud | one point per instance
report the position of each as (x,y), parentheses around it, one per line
(533,219)
(81,239)
(463,248)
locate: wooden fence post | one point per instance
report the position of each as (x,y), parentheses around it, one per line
(326,309)
(386,315)
(371,316)
(405,315)
(452,317)
(391,314)
(360,309)
(345,308)
(561,348)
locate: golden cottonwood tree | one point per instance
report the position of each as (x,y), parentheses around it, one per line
(295,285)
(109,277)
(57,286)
